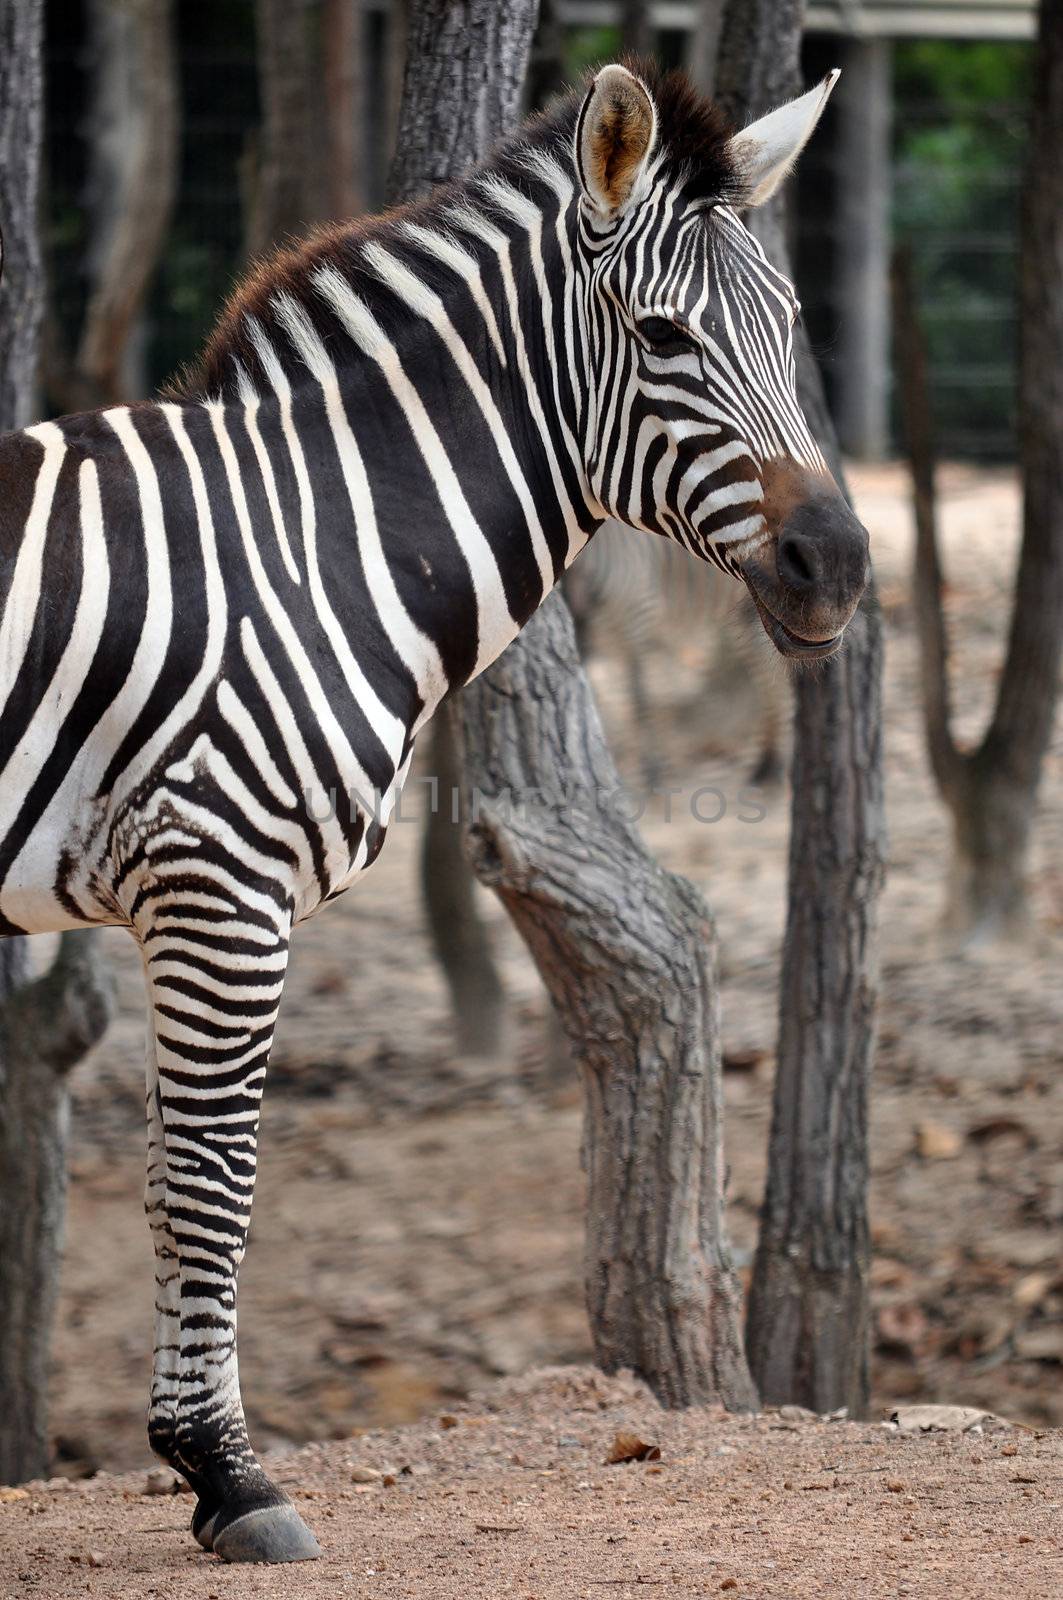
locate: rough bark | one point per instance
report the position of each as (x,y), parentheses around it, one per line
(628,953)
(465,67)
(46,1025)
(991,790)
(626,949)
(807,1333)
(20,154)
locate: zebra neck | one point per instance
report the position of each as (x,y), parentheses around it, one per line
(447,399)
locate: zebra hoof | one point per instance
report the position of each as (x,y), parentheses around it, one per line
(269,1534)
(203,1519)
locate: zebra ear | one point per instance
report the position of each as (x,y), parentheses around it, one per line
(615,135)
(764,152)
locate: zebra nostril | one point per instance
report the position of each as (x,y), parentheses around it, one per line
(796,561)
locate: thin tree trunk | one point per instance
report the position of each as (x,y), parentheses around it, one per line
(288,180)
(626,949)
(703,43)
(808,1327)
(991,791)
(343,58)
(636,31)
(460,936)
(134,182)
(44,1026)
(546,69)
(21,301)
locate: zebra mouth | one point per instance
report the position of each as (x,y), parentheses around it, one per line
(788,643)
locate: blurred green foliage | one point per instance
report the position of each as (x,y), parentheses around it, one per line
(959,142)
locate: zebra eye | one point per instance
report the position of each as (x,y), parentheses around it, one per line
(667,338)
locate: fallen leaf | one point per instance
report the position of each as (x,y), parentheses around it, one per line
(935,1142)
(629,1447)
(1032,1288)
(7,1495)
(360,1474)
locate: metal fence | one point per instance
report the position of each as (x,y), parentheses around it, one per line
(958,208)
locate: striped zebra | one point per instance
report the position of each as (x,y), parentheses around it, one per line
(226,615)
(637,596)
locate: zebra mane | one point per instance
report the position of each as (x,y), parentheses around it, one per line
(693,139)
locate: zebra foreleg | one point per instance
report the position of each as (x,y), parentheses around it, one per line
(215,996)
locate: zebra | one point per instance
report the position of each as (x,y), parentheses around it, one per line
(641,595)
(225,615)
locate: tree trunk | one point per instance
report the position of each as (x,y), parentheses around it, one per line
(808,1327)
(135,181)
(460,937)
(991,790)
(20,155)
(628,953)
(626,949)
(343,48)
(288,181)
(636,31)
(703,43)
(44,1026)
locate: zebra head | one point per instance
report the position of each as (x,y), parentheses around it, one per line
(693,428)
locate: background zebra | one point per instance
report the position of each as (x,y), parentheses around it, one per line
(226,616)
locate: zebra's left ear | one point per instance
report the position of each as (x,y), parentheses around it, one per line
(764,152)
(615,134)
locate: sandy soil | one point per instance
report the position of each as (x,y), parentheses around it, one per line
(513,1496)
(417,1227)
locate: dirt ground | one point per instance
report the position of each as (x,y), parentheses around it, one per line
(417,1226)
(513,1495)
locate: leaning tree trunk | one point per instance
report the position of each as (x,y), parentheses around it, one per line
(44,1026)
(991,790)
(809,1310)
(626,949)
